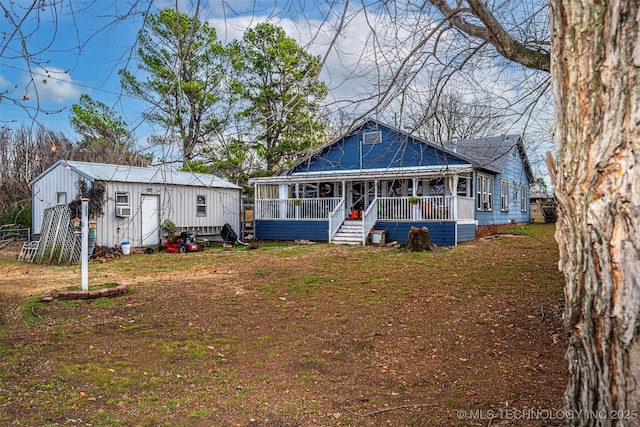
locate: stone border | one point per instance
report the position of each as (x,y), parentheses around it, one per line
(52,294)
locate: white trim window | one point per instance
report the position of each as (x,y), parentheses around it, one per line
(201,205)
(484,193)
(122,198)
(504,195)
(61,198)
(370,138)
(523,198)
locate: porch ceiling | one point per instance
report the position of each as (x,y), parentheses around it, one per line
(358,175)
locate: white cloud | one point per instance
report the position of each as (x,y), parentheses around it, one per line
(51,86)
(361,61)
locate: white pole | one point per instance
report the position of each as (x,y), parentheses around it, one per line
(84,254)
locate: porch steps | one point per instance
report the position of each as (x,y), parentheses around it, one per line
(350,233)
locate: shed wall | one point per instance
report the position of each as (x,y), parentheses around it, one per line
(177,203)
(43,192)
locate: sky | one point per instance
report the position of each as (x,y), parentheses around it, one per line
(78,47)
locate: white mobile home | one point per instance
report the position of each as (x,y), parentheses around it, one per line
(138,199)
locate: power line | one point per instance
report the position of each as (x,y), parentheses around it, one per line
(50,77)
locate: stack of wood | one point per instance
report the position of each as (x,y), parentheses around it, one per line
(106,253)
(419,240)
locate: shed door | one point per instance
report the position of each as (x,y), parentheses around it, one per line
(150,214)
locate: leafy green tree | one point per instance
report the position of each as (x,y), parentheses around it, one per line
(105,137)
(185,67)
(98,124)
(279,90)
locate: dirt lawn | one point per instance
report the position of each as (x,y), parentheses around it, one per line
(292,335)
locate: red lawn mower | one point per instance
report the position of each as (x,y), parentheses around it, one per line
(183,243)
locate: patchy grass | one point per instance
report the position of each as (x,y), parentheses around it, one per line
(288,335)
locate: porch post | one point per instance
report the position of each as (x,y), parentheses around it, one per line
(454,192)
(296,208)
(415,208)
(344,195)
(284,194)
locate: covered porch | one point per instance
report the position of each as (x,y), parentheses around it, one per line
(318,206)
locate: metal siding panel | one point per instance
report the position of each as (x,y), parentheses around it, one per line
(177,203)
(115,230)
(44,192)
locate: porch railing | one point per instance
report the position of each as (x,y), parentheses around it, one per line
(425,208)
(336,218)
(430,208)
(369,219)
(295,208)
(465,208)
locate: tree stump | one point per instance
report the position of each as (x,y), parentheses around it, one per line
(419,240)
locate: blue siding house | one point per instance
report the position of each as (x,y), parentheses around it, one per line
(377,178)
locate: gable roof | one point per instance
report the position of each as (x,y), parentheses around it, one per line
(161,174)
(489,153)
(395,151)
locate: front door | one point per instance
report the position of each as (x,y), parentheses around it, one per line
(361,195)
(150,215)
(357,196)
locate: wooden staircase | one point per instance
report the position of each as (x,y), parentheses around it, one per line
(349,233)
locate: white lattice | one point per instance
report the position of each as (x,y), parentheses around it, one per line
(59,242)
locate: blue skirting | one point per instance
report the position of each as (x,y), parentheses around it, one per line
(441,233)
(272,229)
(445,233)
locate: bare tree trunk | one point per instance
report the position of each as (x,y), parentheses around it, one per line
(596,70)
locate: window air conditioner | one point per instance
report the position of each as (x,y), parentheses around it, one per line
(123,211)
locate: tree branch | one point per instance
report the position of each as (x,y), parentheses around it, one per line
(493,32)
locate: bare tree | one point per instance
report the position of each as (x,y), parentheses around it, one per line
(596,184)
(450,116)
(25,153)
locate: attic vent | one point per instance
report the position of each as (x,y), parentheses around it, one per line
(372,137)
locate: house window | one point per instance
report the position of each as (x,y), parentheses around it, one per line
(201,206)
(122,198)
(515,192)
(504,195)
(463,189)
(372,137)
(61,198)
(523,198)
(484,193)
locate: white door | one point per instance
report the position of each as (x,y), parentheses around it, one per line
(150,204)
